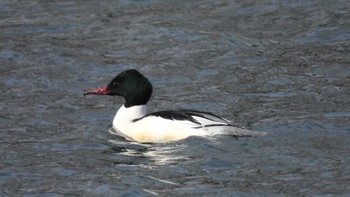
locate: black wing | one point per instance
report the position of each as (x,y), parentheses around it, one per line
(202,119)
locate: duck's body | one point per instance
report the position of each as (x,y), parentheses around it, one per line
(133,121)
(168,125)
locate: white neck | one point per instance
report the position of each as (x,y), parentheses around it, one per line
(126,115)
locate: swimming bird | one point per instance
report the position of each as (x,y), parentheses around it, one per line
(133,121)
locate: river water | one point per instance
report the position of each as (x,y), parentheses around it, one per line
(277,66)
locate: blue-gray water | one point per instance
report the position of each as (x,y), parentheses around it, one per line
(277,66)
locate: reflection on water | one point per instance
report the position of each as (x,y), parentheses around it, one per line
(274,66)
(155,153)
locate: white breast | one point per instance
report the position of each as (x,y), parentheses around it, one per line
(125,117)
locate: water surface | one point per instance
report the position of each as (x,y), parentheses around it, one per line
(275,66)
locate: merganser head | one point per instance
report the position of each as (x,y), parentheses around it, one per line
(130,84)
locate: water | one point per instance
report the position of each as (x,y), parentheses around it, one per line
(275,66)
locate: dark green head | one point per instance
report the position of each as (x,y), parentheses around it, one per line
(130,84)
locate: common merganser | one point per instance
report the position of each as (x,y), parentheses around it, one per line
(133,121)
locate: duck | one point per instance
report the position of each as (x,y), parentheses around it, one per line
(133,121)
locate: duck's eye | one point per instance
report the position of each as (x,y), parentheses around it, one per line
(116,83)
